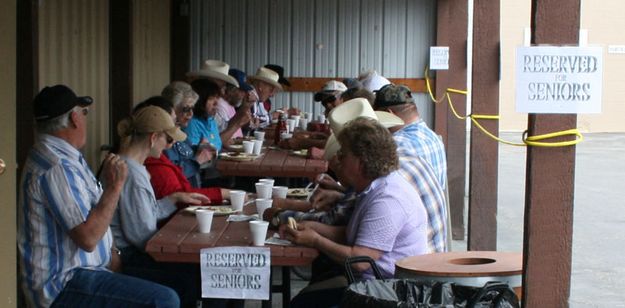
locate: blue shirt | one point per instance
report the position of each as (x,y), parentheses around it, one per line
(417,139)
(388,216)
(182,155)
(200,128)
(138,212)
(419,174)
(57,192)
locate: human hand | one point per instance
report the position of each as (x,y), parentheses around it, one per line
(114,171)
(204,155)
(325,199)
(304,235)
(327,182)
(116,262)
(189,198)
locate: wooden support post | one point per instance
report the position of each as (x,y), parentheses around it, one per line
(120,48)
(548,233)
(451,31)
(482,228)
(180,37)
(27,75)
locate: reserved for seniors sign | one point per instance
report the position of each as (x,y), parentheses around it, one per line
(236,272)
(559,79)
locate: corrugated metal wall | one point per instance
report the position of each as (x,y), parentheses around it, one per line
(151,69)
(320,38)
(73,50)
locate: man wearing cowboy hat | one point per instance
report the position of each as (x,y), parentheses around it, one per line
(266,84)
(218,72)
(412,167)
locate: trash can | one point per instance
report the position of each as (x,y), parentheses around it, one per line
(412,293)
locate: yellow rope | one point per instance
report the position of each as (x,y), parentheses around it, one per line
(527,140)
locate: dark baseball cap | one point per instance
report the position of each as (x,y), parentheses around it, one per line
(240,77)
(54,101)
(391,95)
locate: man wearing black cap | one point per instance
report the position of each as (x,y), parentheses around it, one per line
(65,243)
(415,136)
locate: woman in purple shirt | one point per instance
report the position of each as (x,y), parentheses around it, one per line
(389,222)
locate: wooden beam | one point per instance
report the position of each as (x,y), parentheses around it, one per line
(451,31)
(303,84)
(120,49)
(550,175)
(180,37)
(482,220)
(27,75)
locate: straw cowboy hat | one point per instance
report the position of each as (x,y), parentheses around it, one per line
(215,69)
(352,109)
(266,75)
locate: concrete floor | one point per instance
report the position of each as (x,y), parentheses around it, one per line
(598,272)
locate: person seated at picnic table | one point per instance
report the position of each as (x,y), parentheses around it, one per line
(182,154)
(146,134)
(385,224)
(229,120)
(167,178)
(66,251)
(266,84)
(331,203)
(202,129)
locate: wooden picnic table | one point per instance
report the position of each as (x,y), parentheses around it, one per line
(274,163)
(180,241)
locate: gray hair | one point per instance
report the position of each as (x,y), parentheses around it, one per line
(56,124)
(178,92)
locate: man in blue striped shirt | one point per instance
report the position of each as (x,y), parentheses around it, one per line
(64,240)
(422,159)
(415,138)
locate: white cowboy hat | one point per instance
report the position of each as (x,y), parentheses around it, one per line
(349,110)
(215,69)
(267,75)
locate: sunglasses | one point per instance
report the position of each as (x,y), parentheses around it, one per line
(169,139)
(85,111)
(187,109)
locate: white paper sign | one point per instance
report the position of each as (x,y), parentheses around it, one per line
(559,79)
(439,58)
(236,272)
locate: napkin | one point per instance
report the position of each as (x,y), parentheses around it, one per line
(276,240)
(241,217)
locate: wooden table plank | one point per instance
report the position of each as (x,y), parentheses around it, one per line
(168,240)
(274,163)
(195,241)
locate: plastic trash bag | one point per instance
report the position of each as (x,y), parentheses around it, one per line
(410,293)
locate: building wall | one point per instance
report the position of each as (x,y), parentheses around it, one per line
(322,38)
(602,22)
(151,69)
(73,50)
(8,221)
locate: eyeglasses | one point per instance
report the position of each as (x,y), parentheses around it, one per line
(187,109)
(169,139)
(85,111)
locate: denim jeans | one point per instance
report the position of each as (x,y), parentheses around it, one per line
(91,288)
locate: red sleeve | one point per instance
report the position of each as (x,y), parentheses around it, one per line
(164,180)
(213,193)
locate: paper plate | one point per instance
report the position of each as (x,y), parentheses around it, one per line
(237,156)
(220,210)
(297,192)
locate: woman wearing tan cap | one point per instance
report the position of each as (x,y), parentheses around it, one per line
(146,134)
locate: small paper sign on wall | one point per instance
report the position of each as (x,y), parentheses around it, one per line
(559,79)
(439,57)
(236,272)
